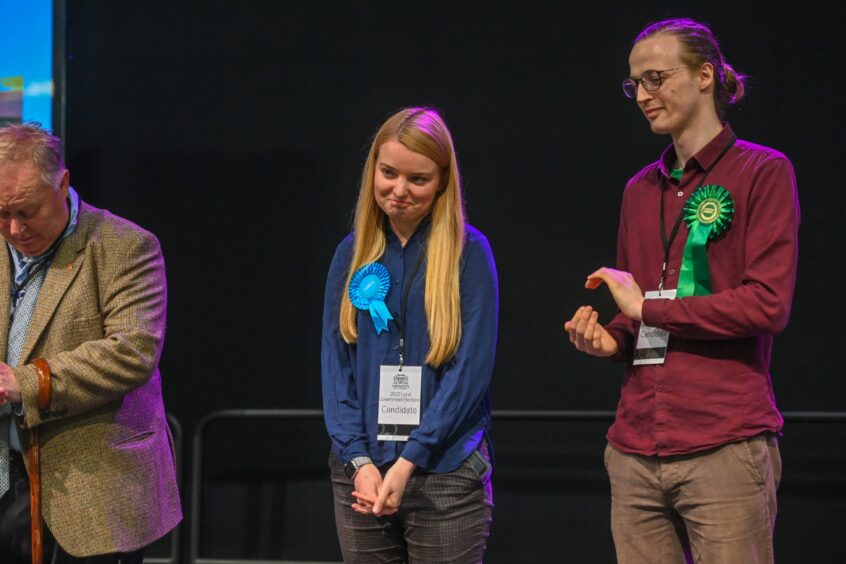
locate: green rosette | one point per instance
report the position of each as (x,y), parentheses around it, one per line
(708,213)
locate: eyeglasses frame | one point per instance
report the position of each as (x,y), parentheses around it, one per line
(639,81)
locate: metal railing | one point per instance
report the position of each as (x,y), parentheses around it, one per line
(197,470)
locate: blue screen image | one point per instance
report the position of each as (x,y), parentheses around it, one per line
(26,61)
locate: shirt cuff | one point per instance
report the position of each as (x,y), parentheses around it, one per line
(353,450)
(652,312)
(623,344)
(417,453)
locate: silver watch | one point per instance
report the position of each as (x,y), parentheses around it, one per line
(351,467)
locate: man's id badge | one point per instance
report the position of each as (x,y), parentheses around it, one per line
(651,346)
(399,401)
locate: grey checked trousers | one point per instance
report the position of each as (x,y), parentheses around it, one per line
(443,518)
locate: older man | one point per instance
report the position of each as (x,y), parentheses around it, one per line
(85,299)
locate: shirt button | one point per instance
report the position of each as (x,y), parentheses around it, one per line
(680,194)
(672,271)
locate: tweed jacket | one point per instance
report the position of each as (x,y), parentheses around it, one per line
(107,461)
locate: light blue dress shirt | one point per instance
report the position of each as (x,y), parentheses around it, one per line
(22,265)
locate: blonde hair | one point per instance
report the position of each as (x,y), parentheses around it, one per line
(423,131)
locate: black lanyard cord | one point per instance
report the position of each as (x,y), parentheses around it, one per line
(46,257)
(404,303)
(18,289)
(667,243)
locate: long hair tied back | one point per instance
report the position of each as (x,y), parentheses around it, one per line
(700,46)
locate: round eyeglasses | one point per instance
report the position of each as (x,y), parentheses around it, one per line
(651,81)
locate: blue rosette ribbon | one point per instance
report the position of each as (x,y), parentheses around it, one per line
(368,288)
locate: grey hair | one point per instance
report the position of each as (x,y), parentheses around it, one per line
(31,142)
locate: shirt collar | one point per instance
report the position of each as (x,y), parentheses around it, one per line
(702,159)
(73,202)
(420,233)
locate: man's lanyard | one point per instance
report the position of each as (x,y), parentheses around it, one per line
(667,243)
(400,320)
(19,290)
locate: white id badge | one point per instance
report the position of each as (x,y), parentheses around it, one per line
(399,401)
(651,346)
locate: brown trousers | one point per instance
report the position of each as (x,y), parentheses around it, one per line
(712,507)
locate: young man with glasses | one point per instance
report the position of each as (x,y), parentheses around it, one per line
(709,231)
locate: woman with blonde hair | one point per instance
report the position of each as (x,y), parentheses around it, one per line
(409,337)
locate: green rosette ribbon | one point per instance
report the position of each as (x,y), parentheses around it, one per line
(708,213)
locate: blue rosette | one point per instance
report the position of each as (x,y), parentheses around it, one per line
(368,288)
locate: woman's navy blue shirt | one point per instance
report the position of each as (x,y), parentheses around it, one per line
(456,404)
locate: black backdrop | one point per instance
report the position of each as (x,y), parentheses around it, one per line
(236,132)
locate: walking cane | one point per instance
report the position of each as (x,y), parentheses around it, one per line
(45,391)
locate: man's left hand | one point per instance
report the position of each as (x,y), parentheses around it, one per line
(10,392)
(624,290)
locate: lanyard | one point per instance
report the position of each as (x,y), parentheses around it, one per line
(400,320)
(667,243)
(19,290)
